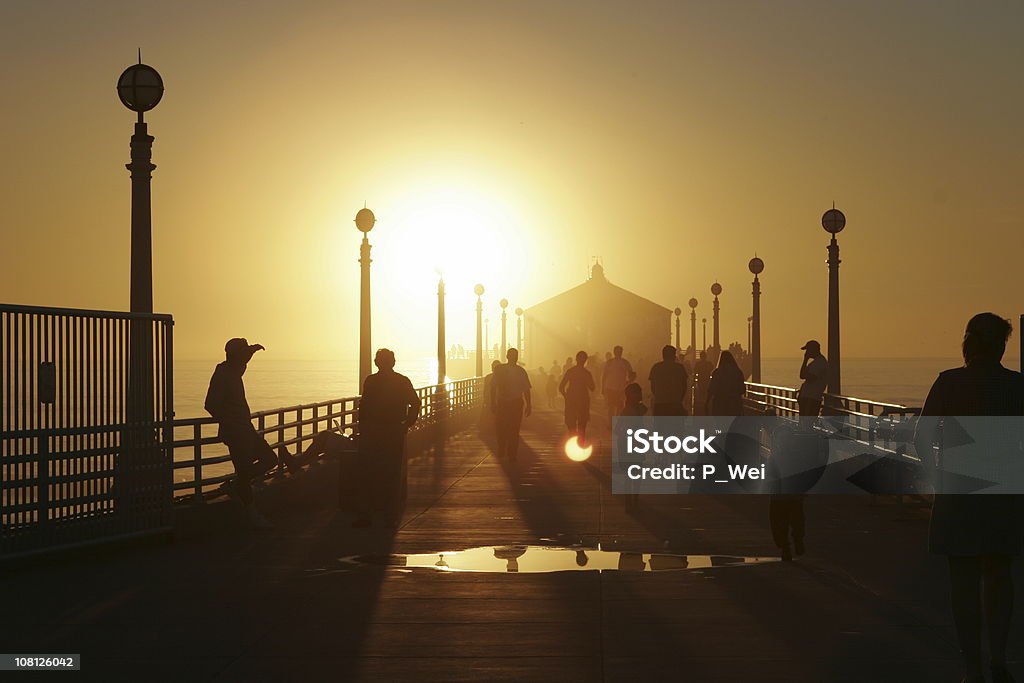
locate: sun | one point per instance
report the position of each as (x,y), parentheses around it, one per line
(456,228)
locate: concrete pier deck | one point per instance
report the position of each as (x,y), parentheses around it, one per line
(225,603)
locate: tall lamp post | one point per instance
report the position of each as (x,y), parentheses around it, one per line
(693,327)
(519,331)
(704,329)
(756,267)
(479,291)
(677,312)
(364,222)
(833,221)
(504,343)
(140,88)
(442,351)
(716,289)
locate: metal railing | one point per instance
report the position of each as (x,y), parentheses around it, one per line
(202,464)
(87,400)
(860,416)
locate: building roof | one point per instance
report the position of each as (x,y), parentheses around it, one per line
(597,288)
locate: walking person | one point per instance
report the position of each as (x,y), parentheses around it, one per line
(575,387)
(551,385)
(510,400)
(726,388)
(669,382)
(614,379)
(702,370)
(980,534)
(250,453)
(388,407)
(634,407)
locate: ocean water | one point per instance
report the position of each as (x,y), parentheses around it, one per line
(273,383)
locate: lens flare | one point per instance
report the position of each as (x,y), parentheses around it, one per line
(576,451)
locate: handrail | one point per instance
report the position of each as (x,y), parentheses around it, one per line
(205,456)
(86,313)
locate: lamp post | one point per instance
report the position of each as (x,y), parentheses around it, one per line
(693,328)
(140,88)
(704,328)
(479,291)
(677,312)
(833,221)
(716,289)
(442,351)
(519,331)
(756,266)
(487,336)
(364,223)
(504,344)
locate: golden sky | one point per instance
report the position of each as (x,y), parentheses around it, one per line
(509,143)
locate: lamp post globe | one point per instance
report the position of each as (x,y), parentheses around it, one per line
(504,326)
(756,266)
(677,311)
(140,87)
(478,290)
(716,289)
(833,221)
(693,303)
(365,220)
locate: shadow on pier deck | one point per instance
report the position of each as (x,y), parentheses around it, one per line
(225,603)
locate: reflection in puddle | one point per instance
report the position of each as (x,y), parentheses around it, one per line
(531,559)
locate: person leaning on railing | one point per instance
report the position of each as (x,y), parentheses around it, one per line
(250,453)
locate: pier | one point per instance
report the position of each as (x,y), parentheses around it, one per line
(530,570)
(314,599)
(128,537)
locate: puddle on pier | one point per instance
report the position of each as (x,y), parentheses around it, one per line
(539,559)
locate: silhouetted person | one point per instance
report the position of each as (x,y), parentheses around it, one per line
(786,511)
(726,388)
(702,370)
(551,387)
(388,407)
(489,392)
(510,398)
(576,386)
(250,453)
(634,407)
(814,373)
(980,533)
(668,384)
(613,382)
(567,364)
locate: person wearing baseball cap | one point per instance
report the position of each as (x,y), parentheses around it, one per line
(786,510)
(814,373)
(250,453)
